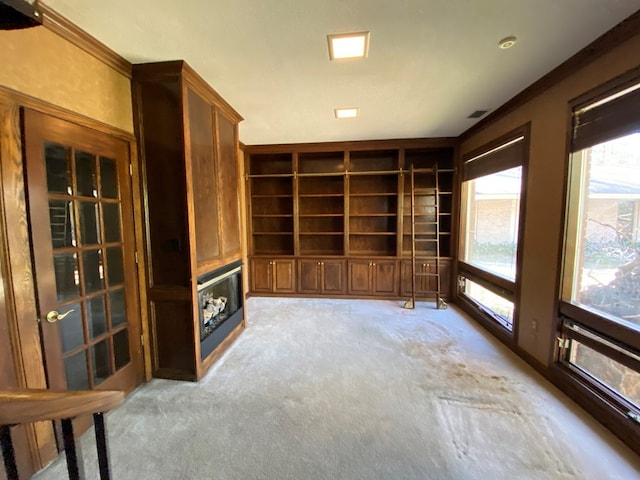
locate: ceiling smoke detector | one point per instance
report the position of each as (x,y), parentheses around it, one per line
(507,42)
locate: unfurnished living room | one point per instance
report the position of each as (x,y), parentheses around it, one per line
(341,239)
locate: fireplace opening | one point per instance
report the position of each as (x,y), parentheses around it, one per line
(220,305)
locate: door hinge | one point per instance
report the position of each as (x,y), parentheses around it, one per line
(135,254)
(563,342)
(131,170)
(142,340)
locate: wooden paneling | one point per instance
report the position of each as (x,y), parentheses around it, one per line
(203,178)
(8,376)
(189,153)
(228,182)
(173,336)
(164,172)
(18,278)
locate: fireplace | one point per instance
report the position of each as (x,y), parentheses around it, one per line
(220,305)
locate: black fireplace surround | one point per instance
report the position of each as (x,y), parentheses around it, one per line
(220,305)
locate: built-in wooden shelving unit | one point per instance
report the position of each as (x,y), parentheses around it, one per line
(334,219)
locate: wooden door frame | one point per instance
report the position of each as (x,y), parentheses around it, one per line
(15,248)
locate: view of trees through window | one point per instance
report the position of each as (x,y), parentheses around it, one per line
(602,257)
(606,262)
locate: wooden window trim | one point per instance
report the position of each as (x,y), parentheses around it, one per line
(610,329)
(497,284)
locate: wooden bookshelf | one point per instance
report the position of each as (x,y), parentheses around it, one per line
(321,203)
(272,218)
(424,160)
(334,219)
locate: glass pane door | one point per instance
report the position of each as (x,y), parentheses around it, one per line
(87,245)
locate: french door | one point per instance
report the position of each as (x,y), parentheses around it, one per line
(83,247)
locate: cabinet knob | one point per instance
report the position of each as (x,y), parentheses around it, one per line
(374,264)
(319,263)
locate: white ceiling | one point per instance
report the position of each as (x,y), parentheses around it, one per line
(431,62)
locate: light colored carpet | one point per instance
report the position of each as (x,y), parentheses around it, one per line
(358,389)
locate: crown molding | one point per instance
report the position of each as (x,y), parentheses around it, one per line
(63,27)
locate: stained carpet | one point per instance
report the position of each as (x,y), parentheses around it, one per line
(357,389)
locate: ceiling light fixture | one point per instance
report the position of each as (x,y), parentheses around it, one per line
(507,42)
(348,45)
(351,112)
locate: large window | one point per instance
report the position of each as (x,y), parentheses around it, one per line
(600,298)
(490,228)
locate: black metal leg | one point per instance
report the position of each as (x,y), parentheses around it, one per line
(75,468)
(102,445)
(8,453)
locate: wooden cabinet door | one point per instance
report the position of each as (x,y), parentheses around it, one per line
(445,277)
(426,284)
(82,232)
(203,179)
(360,277)
(228,188)
(284,276)
(332,276)
(385,281)
(309,276)
(260,273)
(405,278)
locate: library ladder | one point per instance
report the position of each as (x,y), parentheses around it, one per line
(425,235)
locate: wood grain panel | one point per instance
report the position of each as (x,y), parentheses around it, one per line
(172,326)
(309,276)
(203,179)
(8,376)
(160,107)
(19,285)
(229,196)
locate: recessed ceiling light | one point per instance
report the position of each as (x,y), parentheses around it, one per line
(507,42)
(351,112)
(348,45)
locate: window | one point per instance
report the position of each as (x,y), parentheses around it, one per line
(602,261)
(490,227)
(600,297)
(493,211)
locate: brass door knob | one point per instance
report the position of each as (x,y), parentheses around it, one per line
(53,316)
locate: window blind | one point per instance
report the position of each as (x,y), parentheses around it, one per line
(509,154)
(611,117)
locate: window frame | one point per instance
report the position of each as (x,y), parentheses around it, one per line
(605,335)
(502,286)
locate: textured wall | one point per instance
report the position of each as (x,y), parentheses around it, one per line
(39,63)
(549,114)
